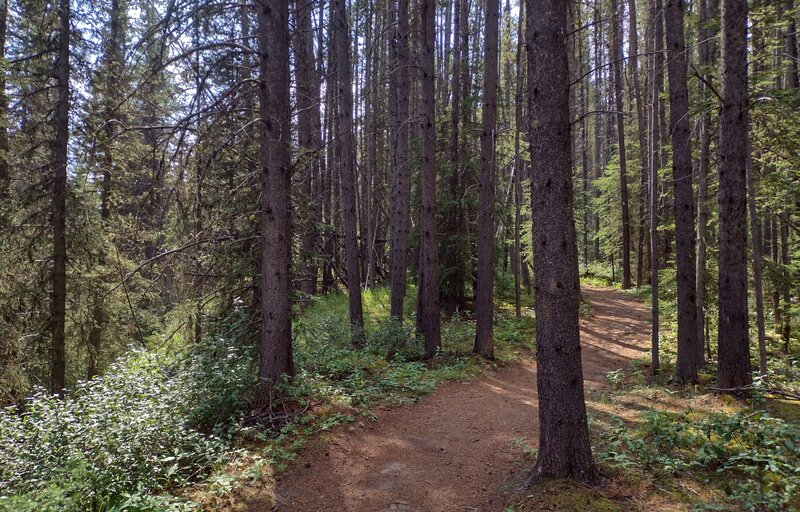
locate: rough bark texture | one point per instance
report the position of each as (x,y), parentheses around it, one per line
(274,158)
(399,198)
(617,63)
(484,307)
(633,43)
(58,298)
(344,129)
(564,450)
(428,314)
(308,115)
(734,356)
(686,371)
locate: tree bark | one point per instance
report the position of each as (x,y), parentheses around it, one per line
(428,314)
(58,299)
(656,62)
(308,114)
(686,371)
(399,199)
(484,294)
(706,35)
(517,180)
(564,450)
(617,63)
(344,129)
(733,369)
(642,129)
(274,157)
(755,230)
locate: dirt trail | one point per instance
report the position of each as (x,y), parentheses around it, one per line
(455,449)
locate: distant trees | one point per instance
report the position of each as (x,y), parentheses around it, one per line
(201,171)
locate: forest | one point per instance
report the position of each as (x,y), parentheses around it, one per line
(413,255)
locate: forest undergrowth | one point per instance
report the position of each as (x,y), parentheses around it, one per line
(176,428)
(664,448)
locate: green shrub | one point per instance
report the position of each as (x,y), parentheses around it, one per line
(148,424)
(396,341)
(754,458)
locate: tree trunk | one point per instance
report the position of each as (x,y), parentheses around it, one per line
(399,199)
(344,129)
(58,303)
(786,282)
(275,159)
(517,182)
(598,119)
(428,321)
(617,64)
(641,125)
(686,371)
(654,166)
(308,112)
(706,35)
(564,450)
(484,294)
(733,369)
(755,230)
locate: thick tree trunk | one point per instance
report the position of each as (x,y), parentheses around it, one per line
(400,195)
(428,314)
(484,294)
(733,344)
(344,132)
(686,371)
(275,160)
(617,64)
(58,299)
(564,450)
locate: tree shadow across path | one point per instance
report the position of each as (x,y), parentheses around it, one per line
(459,448)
